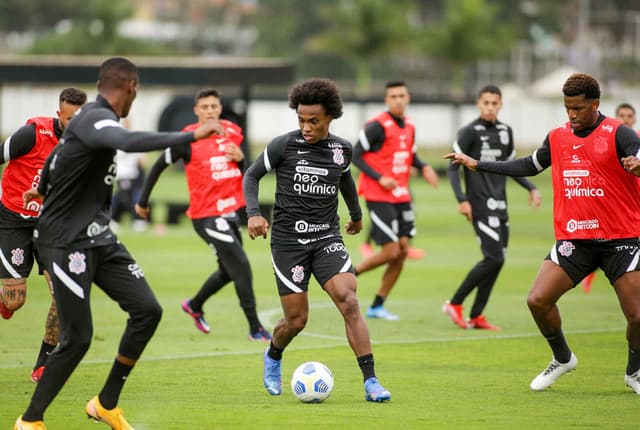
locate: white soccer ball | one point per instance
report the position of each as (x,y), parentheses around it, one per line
(312,382)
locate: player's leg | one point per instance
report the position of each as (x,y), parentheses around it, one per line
(16,261)
(72,272)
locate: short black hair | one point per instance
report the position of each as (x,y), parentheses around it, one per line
(206,92)
(491,89)
(396,83)
(581,84)
(317,91)
(115,72)
(73,96)
(625,106)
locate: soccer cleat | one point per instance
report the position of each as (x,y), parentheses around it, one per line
(366,250)
(28,425)
(633,381)
(261,335)
(112,417)
(553,372)
(272,376)
(480,322)
(5,312)
(381,312)
(374,392)
(455,313)
(416,253)
(198,317)
(36,375)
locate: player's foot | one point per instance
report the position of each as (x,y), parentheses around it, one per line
(198,317)
(633,381)
(28,425)
(416,253)
(455,313)
(261,335)
(112,417)
(374,392)
(587,282)
(5,312)
(553,372)
(272,376)
(480,322)
(366,250)
(381,312)
(36,375)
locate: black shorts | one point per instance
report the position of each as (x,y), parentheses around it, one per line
(324,259)
(17,252)
(391,221)
(581,257)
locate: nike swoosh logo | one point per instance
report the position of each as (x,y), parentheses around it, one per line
(303,152)
(578,146)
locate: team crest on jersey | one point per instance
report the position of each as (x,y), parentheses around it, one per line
(504,137)
(601,145)
(298,273)
(566,248)
(338,156)
(222,224)
(77,263)
(17,256)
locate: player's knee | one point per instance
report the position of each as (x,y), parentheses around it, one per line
(152,314)
(536,302)
(14,293)
(297,323)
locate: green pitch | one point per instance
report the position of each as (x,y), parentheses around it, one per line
(439,376)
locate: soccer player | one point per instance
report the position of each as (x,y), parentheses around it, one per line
(311,166)
(25,152)
(596,213)
(385,153)
(626,113)
(484,205)
(213,167)
(77,247)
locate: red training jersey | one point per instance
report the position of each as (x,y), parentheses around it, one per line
(23,173)
(594,197)
(394,159)
(214,182)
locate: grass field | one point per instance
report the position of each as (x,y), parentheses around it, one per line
(439,376)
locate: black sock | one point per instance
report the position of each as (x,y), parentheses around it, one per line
(275,353)
(633,365)
(111,391)
(366,366)
(45,350)
(377,301)
(558,344)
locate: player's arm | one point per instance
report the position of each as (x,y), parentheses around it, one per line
(534,195)
(427,172)
(168,157)
(271,157)
(628,149)
(462,144)
(350,196)
(18,144)
(371,139)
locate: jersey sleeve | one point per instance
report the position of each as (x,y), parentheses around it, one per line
(535,163)
(19,143)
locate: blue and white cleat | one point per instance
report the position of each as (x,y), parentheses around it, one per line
(374,392)
(272,377)
(381,313)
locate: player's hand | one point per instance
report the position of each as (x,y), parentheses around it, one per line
(29,195)
(464,208)
(353,227)
(464,159)
(142,212)
(209,127)
(535,198)
(233,153)
(430,175)
(387,182)
(257,226)
(631,164)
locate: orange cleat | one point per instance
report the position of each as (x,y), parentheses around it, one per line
(587,282)
(480,322)
(455,313)
(416,253)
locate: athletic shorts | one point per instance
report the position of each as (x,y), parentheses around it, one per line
(323,258)
(17,252)
(391,221)
(581,257)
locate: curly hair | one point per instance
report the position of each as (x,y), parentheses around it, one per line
(317,92)
(73,96)
(581,84)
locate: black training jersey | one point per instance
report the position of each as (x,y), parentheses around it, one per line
(78,176)
(308,177)
(486,192)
